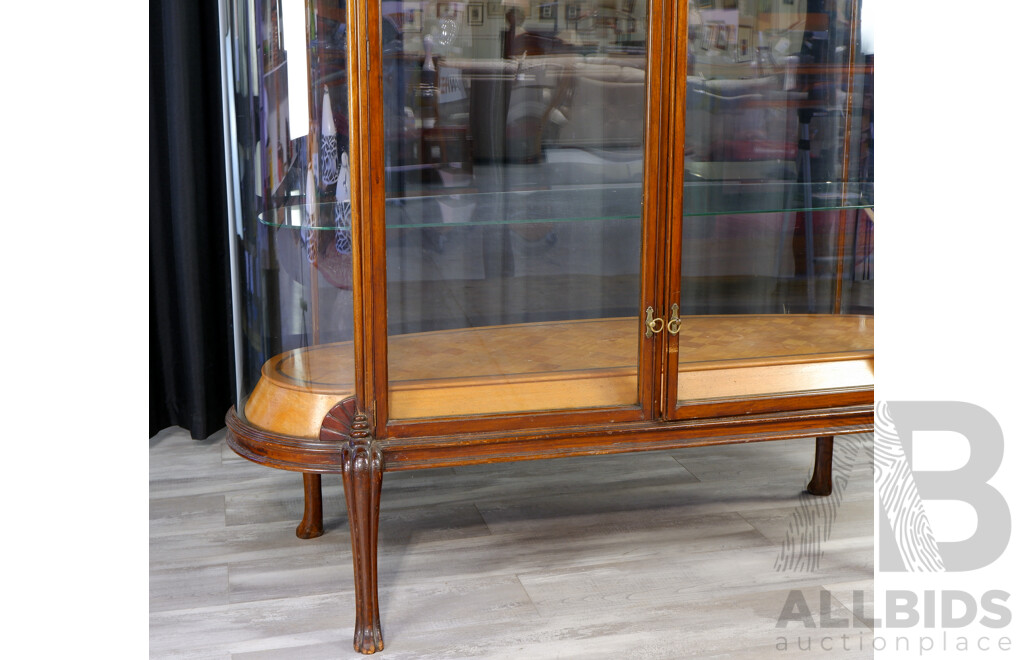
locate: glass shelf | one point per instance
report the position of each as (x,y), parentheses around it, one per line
(571,204)
(737,198)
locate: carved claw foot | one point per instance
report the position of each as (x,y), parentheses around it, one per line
(368,638)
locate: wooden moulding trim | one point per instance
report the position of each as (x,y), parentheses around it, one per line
(437,426)
(793,402)
(417,455)
(318,456)
(419,460)
(281,451)
(784,360)
(804,419)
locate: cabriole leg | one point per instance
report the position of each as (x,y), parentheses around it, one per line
(821,480)
(312,524)
(361,471)
(362,468)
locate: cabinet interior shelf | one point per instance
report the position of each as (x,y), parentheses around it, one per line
(440,208)
(566,364)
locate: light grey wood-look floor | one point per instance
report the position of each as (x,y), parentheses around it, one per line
(651,555)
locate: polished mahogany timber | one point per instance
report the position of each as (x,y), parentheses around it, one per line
(312,524)
(362,467)
(821,480)
(346,445)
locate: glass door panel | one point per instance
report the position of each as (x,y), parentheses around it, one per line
(513,159)
(776,264)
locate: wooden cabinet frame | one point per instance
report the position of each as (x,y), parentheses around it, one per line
(358,439)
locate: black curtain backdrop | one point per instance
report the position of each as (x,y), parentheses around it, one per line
(191,362)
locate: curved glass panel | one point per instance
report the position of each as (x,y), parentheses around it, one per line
(288,89)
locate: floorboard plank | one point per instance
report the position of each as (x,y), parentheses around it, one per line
(655,555)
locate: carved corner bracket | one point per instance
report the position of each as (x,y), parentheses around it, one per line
(347,426)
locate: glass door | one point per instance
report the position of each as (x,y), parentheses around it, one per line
(514,176)
(775,273)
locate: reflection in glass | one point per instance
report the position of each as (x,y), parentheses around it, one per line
(514,152)
(293,261)
(777,232)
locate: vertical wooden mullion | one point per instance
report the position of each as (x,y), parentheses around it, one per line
(649,350)
(675,119)
(312,154)
(664,149)
(372,50)
(851,63)
(369,289)
(357,149)
(379,309)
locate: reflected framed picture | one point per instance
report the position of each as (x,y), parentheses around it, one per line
(729,4)
(475,13)
(412,18)
(549,11)
(708,37)
(706,4)
(495,9)
(628,6)
(745,44)
(721,37)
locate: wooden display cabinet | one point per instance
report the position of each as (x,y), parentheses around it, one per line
(616,244)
